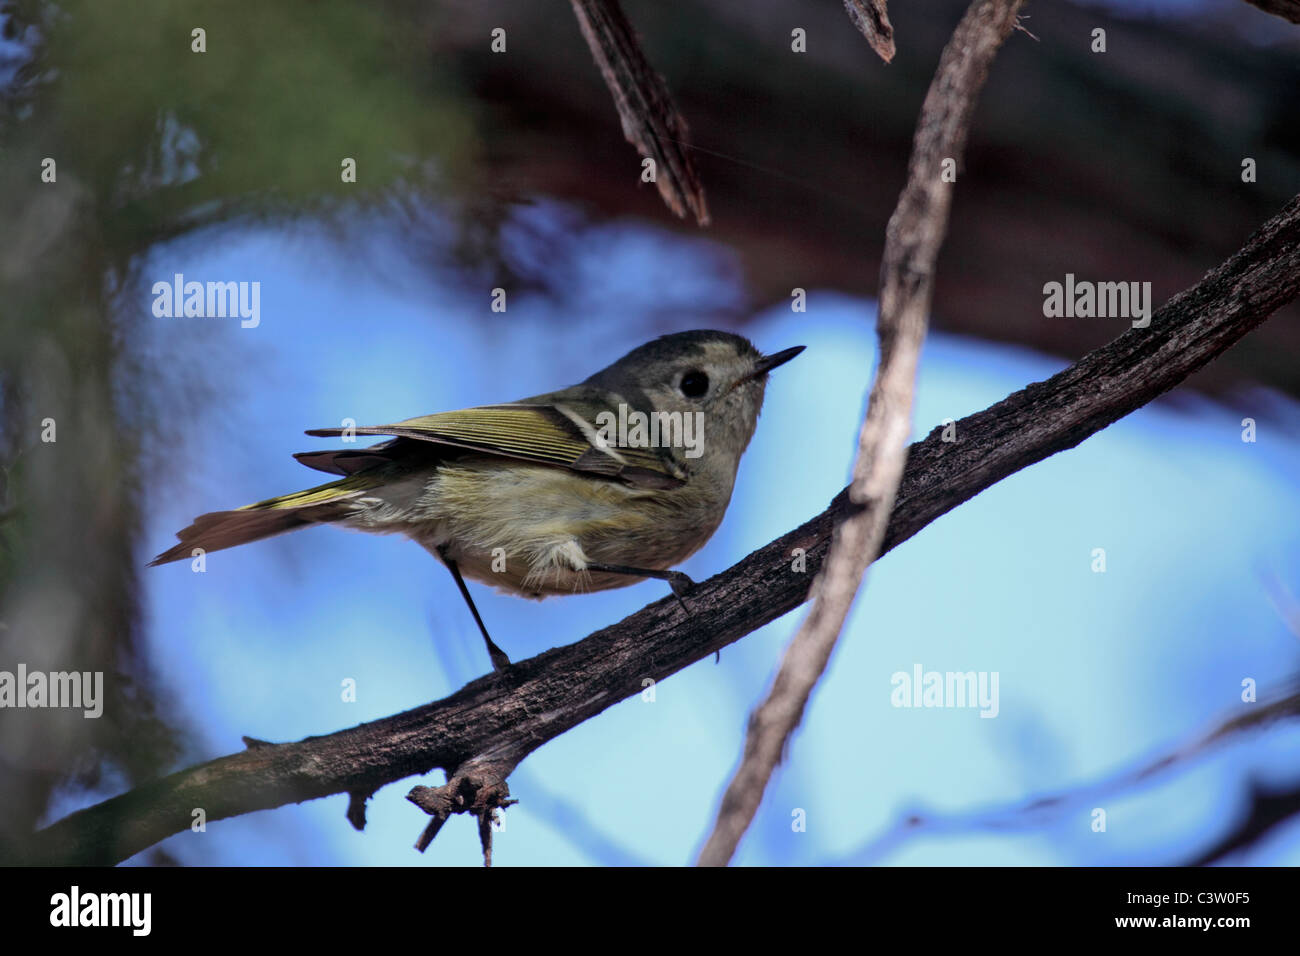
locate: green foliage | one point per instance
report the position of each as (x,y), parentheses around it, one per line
(282,94)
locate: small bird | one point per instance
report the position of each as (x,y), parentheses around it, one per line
(595,486)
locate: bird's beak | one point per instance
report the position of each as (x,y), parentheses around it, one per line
(769,362)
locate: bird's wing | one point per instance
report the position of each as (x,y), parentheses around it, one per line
(547,434)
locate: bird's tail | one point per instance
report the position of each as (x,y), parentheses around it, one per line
(225,529)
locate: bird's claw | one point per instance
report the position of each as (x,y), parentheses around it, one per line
(500,662)
(680,584)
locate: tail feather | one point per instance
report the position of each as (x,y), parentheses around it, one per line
(226,529)
(349,461)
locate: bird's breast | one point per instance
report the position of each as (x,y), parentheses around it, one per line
(523,528)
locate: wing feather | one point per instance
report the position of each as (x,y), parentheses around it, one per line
(544,434)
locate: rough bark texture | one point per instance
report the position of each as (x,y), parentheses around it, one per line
(651,121)
(482,731)
(871,17)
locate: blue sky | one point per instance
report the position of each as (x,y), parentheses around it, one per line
(1096,671)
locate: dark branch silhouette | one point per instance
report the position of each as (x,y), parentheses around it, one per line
(1286,9)
(1022,815)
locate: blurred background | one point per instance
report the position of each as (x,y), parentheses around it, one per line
(479,170)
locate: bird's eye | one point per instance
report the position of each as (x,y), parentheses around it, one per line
(694,383)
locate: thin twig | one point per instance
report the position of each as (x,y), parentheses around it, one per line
(651,121)
(1271,806)
(912,241)
(1026,814)
(489,725)
(871,17)
(1286,9)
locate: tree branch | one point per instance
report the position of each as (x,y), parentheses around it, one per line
(871,17)
(1038,811)
(912,242)
(1271,806)
(1286,9)
(484,729)
(651,121)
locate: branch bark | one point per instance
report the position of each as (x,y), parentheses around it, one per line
(651,121)
(872,19)
(912,242)
(482,731)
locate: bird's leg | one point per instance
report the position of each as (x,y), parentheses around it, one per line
(679,582)
(498,657)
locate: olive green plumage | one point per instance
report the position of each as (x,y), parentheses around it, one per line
(527,496)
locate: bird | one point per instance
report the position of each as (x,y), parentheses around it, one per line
(599,485)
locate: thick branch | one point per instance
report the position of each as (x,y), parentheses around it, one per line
(912,241)
(496,721)
(651,121)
